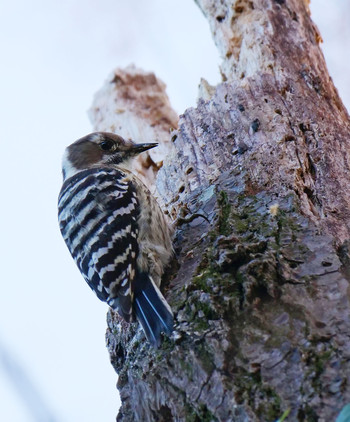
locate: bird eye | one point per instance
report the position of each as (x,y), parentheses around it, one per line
(107,145)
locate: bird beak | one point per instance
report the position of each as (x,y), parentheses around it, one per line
(142,147)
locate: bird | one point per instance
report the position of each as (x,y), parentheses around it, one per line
(115,230)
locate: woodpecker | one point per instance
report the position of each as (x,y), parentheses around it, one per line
(115,230)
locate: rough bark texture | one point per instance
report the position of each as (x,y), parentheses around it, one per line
(260,290)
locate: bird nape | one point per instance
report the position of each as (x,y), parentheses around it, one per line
(115,230)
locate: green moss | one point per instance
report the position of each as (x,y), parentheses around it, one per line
(251,390)
(241,224)
(316,363)
(307,414)
(224,213)
(206,415)
(204,281)
(191,415)
(272,408)
(320,360)
(202,414)
(209,275)
(206,358)
(187,368)
(207,310)
(286,224)
(200,312)
(167,344)
(201,325)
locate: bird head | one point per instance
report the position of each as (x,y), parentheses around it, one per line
(100,149)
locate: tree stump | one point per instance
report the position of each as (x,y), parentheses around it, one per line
(259,287)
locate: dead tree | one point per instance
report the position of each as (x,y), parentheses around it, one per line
(259,287)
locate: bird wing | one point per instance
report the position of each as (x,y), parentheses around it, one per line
(101,231)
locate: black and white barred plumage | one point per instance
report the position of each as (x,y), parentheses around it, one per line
(115,230)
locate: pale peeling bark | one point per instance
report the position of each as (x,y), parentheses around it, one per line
(260,290)
(134,104)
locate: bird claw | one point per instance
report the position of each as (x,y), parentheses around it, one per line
(183,219)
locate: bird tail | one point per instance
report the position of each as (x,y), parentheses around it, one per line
(151,309)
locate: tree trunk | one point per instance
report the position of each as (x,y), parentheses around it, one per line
(260,290)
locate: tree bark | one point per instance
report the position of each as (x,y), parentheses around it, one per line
(260,288)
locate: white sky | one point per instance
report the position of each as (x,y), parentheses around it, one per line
(54,56)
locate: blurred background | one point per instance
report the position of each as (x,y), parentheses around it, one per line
(54,56)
